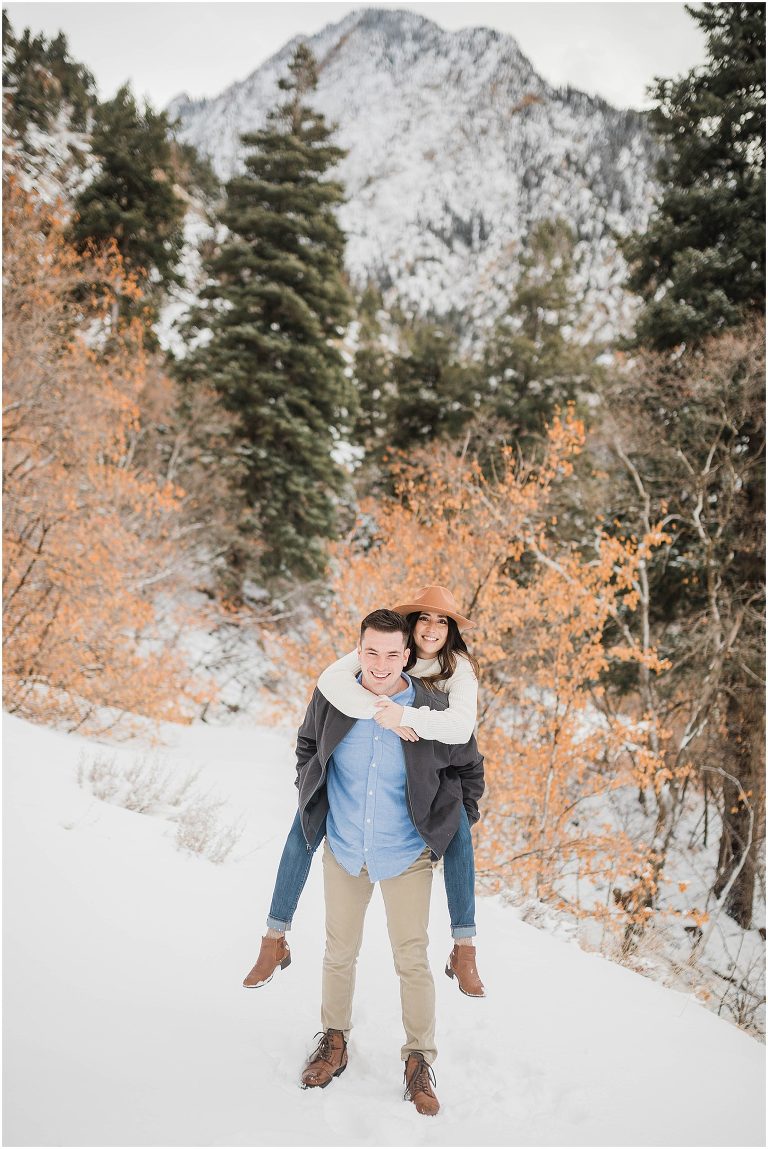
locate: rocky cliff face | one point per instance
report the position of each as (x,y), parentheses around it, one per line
(456,147)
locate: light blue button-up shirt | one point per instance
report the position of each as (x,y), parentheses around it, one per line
(368,820)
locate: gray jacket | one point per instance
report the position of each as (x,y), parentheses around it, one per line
(439,778)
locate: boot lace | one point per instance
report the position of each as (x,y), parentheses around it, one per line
(323,1050)
(421,1082)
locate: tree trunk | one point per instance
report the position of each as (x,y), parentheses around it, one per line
(742,792)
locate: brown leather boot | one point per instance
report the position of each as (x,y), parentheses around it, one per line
(328,1061)
(461,965)
(419,1080)
(274,952)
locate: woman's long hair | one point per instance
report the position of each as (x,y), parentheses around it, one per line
(454,648)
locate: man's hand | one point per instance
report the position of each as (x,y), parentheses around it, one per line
(388,714)
(407,734)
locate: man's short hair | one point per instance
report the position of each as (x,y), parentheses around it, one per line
(385,620)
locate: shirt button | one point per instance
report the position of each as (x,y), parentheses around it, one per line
(371,792)
(368,820)
(375,738)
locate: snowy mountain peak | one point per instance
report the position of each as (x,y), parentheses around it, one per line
(405,36)
(457,147)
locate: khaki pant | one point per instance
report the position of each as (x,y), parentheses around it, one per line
(406,900)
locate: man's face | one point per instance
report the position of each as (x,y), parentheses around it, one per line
(382,658)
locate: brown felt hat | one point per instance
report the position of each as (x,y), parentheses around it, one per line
(437,599)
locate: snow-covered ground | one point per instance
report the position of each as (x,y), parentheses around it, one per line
(126,1022)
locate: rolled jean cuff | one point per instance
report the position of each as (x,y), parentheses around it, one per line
(459,931)
(274,924)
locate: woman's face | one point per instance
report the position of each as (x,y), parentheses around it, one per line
(430,634)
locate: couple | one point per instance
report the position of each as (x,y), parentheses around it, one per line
(389,773)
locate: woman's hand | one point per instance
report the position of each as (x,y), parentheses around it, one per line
(406,734)
(388,714)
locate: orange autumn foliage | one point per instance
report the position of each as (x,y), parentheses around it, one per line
(558,762)
(88,539)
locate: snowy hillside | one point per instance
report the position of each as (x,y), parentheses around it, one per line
(126,1023)
(456,147)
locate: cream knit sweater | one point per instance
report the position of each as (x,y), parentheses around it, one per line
(453,726)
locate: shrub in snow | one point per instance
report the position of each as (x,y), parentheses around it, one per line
(200,832)
(89,539)
(146,786)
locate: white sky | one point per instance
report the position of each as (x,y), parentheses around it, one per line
(613,49)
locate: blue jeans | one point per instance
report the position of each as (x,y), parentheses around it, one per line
(458,872)
(459,878)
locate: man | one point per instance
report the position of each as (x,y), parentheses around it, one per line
(392,808)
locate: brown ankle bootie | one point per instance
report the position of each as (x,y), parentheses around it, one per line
(274,952)
(462,965)
(328,1061)
(419,1080)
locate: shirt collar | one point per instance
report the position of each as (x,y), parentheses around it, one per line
(406,692)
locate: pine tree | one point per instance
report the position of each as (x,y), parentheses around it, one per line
(132,200)
(533,361)
(701,271)
(276,306)
(372,372)
(701,264)
(39,78)
(434,391)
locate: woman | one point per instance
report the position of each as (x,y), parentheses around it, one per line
(439,658)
